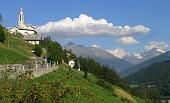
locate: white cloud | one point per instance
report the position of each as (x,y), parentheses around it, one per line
(156,44)
(88,26)
(118,52)
(128,40)
(95,46)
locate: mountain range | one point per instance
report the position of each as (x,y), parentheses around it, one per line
(100,55)
(141,57)
(145,64)
(126,65)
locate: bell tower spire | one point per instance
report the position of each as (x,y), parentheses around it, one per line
(21,19)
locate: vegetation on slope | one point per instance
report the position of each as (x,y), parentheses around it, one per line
(55,53)
(102,72)
(155,78)
(9,56)
(98,93)
(61,86)
(14,49)
(2,33)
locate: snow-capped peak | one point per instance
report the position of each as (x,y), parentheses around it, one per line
(118,52)
(159,50)
(138,56)
(149,54)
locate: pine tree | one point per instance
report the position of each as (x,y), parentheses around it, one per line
(2,34)
(76,66)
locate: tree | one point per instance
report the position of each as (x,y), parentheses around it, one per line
(153,93)
(101,71)
(2,34)
(140,91)
(55,52)
(66,57)
(84,65)
(77,65)
(85,72)
(37,50)
(44,53)
(46,42)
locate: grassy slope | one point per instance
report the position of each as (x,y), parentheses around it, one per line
(14,49)
(77,79)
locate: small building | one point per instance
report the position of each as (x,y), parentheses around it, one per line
(71,63)
(29,33)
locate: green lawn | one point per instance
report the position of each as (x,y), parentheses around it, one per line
(14,50)
(75,78)
(10,56)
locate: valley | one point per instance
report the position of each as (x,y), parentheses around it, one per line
(62,51)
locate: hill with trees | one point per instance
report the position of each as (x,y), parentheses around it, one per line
(155,76)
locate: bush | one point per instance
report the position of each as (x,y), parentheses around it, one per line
(55,52)
(37,50)
(2,34)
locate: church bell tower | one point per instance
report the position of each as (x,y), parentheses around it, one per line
(21,19)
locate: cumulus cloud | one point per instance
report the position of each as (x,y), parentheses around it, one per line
(128,40)
(156,44)
(118,52)
(95,46)
(88,26)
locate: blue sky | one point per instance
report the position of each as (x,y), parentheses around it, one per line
(152,14)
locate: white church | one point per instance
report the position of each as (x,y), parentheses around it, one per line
(29,33)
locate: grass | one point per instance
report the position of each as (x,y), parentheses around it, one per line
(14,50)
(75,78)
(10,56)
(121,93)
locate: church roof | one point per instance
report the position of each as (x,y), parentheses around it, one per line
(32,37)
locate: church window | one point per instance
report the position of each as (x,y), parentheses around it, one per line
(20,17)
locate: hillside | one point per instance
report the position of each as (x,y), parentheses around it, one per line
(88,90)
(156,75)
(64,85)
(14,50)
(145,64)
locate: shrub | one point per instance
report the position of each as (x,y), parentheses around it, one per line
(37,50)
(2,34)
